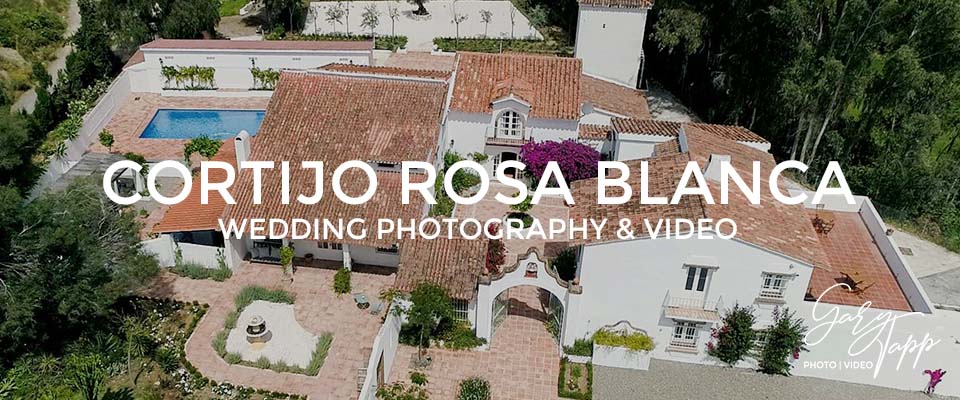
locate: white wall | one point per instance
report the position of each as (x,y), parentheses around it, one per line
(233,66)
(93,122)
(370,256)
(628,280)
(915,294)
(203,255)
(610,42)
(628,146)
(161,248)
(385,345)
(469,131)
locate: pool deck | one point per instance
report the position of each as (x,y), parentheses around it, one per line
(135,114)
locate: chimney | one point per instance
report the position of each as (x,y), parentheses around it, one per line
(242,145)
(682,139)
(713,167)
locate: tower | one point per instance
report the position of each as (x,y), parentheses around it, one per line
(610,38)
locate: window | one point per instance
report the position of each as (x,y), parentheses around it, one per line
(760,339)
(330,245)
(773,286)
(510,124)
(684,335)
(696,278)
(460,308)
(203,238)
(389,250)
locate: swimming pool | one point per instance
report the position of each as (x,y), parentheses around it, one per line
(215,124)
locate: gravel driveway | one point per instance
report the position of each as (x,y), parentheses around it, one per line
(668,380)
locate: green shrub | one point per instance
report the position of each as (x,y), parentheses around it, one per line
(341,281)
(319,354)
(220,342)
(196,271)
(418,378)
(566,264)
(581,347)
(203,145)
(563,389)
(400,391)
(735,336)
(474,389)
(231,321)
(106,139)
(784,340)
(263,363)
(252,293)
(487,45)
(635,341)
(461,336)
(385,42)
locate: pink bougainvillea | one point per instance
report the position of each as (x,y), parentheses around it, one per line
(576,160)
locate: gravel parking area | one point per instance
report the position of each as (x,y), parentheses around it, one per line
(667,380)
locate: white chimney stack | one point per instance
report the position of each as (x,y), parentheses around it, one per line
(713,168)
(242,143)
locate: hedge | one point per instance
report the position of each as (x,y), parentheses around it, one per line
(385,42)
(488,45)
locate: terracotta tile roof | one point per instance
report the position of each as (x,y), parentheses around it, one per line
(731,132)
(594,132)
(291,45)
(669,128)
(614,97)
(332,118)
(551,83)
(770,224)
(190,215)
(455,264)
(618,3)
(646,126)
(850,249)
(135,59)
(390,71)
(664,174)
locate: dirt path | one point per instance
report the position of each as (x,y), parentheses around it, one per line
(29,98)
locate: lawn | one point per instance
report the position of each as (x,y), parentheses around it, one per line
(231,7)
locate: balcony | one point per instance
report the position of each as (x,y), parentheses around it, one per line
(499,139)
(691,309)
(771,295)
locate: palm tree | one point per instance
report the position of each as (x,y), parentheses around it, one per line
(335,15)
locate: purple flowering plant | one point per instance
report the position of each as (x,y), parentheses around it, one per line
(576,160)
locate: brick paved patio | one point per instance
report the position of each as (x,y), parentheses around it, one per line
(317,309)
(134,115)
(523,361)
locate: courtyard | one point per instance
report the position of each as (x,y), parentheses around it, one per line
(317,309)
(522,363)
(421,30)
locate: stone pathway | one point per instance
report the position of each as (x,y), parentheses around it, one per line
(317,309)
(523,362)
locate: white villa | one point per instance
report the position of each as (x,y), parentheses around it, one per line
(332,104)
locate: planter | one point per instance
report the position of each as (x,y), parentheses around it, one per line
(620,357)
(577,359)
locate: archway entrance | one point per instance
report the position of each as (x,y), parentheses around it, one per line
(528,308)
(506,156)
(526,296)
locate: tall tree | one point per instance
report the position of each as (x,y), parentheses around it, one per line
(191,19)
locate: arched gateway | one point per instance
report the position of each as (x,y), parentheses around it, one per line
(529,270)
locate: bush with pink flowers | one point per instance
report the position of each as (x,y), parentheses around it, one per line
(576,160)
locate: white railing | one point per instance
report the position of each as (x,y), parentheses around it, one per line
(493,133)
(683,342)
(771,294)
(384,350)
(692,303)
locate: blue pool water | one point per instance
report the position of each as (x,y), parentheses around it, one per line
(215,124)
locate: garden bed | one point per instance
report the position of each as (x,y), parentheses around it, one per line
(385,42)
(488,45)
(575,381)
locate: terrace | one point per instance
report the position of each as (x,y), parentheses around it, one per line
(138,109)
(317,309)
